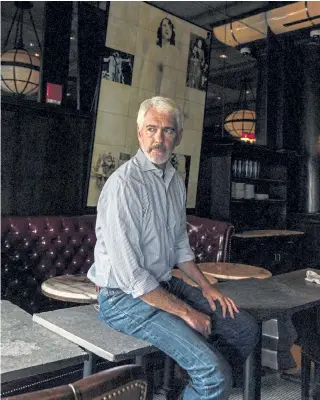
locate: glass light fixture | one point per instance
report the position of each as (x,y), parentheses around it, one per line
(242,123)
(294,16)
(20,69)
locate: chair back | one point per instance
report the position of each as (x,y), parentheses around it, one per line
(64,392)
(127,382)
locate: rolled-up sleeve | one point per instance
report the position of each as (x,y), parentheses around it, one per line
(182,247)
(122,218)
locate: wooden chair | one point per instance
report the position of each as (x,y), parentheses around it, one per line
(127,382)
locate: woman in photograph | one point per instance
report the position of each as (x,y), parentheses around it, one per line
(194,68)
(166,34)
(200,48)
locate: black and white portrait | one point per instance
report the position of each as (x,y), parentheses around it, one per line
(103,168)
(198,63)
(117,66)
(181,163)
(166,34)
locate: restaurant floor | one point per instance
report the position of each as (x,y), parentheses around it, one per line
(273,388)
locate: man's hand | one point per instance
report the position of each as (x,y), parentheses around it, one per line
(213,294)
(198,321)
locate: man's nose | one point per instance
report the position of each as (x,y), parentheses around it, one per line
(158,137)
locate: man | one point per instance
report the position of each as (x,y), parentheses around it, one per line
(141,235)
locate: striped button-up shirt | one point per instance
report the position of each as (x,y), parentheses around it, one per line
(141,227)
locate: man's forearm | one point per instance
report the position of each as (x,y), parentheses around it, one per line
(191,269)
(166,301)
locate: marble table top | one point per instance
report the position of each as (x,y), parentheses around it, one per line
(28,349)
(278,296)
(267,233)
(222,270)
(73,288)
(179,274)
(81,326)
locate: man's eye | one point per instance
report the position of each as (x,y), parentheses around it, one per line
(151,129)
(169,130)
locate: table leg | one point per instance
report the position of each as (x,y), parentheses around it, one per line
(143,361)
(252,372)
(167,387)
(89,364)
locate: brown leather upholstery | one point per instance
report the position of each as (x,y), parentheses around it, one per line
(36,248)
(64,392)
(127,382)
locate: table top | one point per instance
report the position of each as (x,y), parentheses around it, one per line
(73,288)
(81,325)
(278,296)
(267,233)
(28,349)
(179,274)
(222,270)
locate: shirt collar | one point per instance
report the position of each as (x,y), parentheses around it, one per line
(146,165)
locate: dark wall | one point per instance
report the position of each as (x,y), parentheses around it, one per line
(45,159)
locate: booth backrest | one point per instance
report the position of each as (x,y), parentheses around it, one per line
(36,248)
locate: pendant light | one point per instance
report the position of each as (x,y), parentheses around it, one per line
(242,123)
(20,70)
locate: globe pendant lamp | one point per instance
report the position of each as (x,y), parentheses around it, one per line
(20,70)
(242,123)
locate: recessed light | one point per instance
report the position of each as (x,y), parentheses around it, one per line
(219,98)
(72,37)
(37,54)
(223,56)
(31,44)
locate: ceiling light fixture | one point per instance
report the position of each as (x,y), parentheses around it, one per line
(294,16)
(20,70)
(242,123)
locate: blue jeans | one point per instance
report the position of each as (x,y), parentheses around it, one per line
(209,363)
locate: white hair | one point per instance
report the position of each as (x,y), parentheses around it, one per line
(161,104)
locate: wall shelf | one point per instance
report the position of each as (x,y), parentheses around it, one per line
(217,192)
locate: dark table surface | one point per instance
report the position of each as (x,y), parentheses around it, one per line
(275,297)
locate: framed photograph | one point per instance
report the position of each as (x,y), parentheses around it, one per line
(198,63)
(117,66)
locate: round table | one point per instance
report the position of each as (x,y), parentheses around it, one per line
(179,274)
(72,288)
(227,271)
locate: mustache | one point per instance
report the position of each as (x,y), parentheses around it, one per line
(157,147)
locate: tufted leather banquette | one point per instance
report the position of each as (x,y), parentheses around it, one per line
(37,248)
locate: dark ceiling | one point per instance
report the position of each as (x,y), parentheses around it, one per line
(226,74)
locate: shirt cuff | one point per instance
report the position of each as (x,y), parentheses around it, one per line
(145,286)
(184,255)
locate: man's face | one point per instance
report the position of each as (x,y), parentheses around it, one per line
(158,136)
(166,29)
